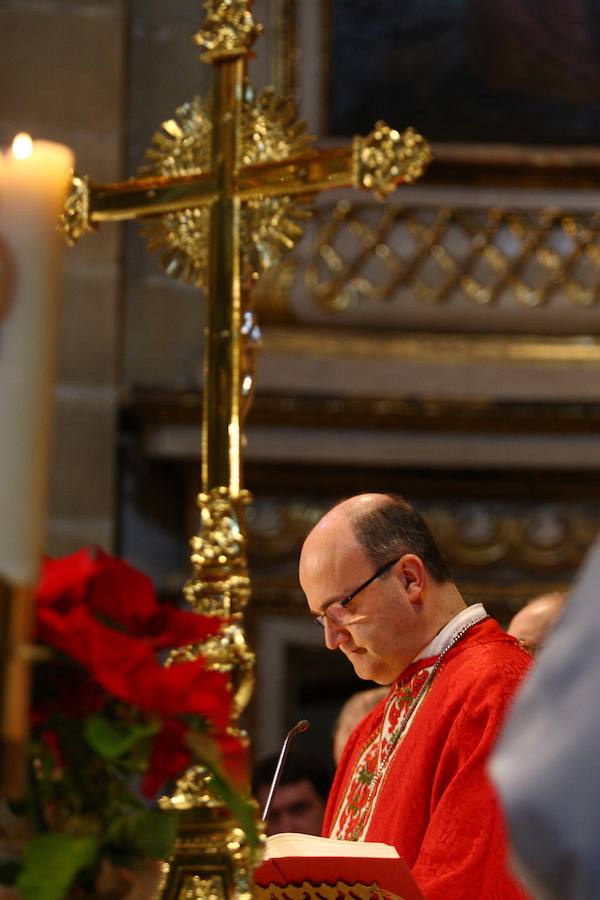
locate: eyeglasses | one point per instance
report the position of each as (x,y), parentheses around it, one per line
(344,603)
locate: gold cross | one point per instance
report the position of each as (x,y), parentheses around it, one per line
(227,168)
(224,188)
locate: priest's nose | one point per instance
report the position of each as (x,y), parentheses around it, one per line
(334,634)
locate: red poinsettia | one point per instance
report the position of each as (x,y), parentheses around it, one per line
(103,615)
(107,717)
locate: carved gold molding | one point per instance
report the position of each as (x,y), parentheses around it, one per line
(442,348)
(526,536)
(152,409)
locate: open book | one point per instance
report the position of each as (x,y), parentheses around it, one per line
(292,858)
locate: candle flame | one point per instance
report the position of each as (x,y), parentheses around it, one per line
(22,146)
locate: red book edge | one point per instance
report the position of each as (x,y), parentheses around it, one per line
(389,874)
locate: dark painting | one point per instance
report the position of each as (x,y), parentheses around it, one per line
(501,71)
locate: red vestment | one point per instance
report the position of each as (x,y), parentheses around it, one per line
(433,800)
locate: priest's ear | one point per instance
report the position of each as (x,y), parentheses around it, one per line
(411,572)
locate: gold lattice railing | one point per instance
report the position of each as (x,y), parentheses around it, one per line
(366,252)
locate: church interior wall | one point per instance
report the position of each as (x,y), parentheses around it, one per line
(485,414)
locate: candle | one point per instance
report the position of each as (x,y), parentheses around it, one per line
(33,182)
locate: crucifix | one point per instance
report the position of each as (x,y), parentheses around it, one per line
(221,196)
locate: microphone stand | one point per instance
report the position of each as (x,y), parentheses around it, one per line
(302,725)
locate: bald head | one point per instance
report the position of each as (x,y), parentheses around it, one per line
(332,549)
(336,531)
(348,511)
(533,622)
(374,577)
(384,527)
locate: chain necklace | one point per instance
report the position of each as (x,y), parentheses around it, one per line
(397,734)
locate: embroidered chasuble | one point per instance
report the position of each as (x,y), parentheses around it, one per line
(413,772)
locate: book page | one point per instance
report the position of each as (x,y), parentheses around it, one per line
(290,843)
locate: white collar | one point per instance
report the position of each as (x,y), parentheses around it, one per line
(466,616)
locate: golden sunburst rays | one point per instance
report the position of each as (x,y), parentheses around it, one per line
(270,226)
(180,147)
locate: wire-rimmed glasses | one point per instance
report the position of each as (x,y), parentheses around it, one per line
(344,603)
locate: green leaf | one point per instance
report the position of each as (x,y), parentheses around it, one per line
(206,752)
(51,863)
(153,832)
(112,740)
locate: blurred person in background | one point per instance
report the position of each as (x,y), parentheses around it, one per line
(532,623)
(299,801)
(352,712)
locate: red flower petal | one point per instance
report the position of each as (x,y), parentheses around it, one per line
(234,755)
(176,627)
(169,757)
(127,668)
(121,593)
(63,582)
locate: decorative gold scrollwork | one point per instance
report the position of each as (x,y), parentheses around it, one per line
(197,888)
(212,857)
(193,790)
(385,155)
(229,29)
(74,220)
(225,652)
(220,586)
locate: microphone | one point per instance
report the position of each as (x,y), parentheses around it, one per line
(302,725)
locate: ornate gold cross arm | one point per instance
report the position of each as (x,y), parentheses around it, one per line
(89,204)
(378,162)
(149,197)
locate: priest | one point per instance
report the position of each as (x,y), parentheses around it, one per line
(413,772)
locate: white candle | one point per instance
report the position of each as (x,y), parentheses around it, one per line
(33,181)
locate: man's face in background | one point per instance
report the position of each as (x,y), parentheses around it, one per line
(295,807)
